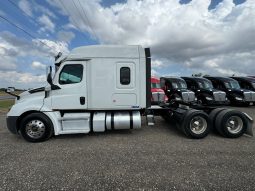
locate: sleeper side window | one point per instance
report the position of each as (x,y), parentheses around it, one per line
(124,75)
(71,74)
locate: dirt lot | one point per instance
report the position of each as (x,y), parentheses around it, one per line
(151,158)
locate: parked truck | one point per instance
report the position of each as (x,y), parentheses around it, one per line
(176,89)
(158,95)
(205,92)
(235,94)
(100,88)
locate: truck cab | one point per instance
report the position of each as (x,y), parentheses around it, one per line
(205,92)
(176,89)
(235,94)
(157,94)
(94,88)
(246,82)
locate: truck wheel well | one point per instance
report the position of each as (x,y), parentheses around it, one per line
(22,116)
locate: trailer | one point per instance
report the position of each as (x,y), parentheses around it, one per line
(100,88)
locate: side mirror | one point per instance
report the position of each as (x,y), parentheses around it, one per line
(49,74)
(10,89)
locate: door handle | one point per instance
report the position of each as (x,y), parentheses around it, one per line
(82,100)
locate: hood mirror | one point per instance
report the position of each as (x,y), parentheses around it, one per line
(10,89)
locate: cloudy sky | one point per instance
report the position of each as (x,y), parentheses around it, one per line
(188,36)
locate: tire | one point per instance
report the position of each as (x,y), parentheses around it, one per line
(196,124)
(247,104)
(231,123)
(30,124)
(200,102)
(167,117)
(212,116)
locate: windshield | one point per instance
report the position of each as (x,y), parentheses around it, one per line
(179,85)
(205,84)
(232,85)
(155,85)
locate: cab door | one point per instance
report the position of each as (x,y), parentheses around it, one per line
(72,95)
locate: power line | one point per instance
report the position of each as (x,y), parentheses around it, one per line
(29,34)
(34,21)
(92,30)
(14,4)
(63,5)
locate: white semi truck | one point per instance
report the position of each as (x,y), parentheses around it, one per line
(100,88)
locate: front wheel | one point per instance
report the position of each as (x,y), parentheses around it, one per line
(36,127)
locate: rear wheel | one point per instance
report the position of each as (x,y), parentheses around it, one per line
(195,124)
(36,127)
(231,123)
(167,116)
(212,116)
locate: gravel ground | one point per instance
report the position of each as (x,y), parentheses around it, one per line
(151,158)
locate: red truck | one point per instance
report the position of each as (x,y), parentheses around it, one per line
(157,94)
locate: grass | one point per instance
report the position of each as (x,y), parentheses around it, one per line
(2,93)
(5,105)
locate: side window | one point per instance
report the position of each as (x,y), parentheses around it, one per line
(124,75)
(71,74)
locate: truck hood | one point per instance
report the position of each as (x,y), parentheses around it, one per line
(157,90)
(210,91)
(183,90)
(33,93)
(237,91)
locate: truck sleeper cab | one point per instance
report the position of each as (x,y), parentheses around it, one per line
(176,89)
(99,88)
(95,88)
(205,92)
(235,94)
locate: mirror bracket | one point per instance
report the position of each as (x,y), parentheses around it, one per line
(9,91)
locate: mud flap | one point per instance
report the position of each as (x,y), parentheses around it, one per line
(249,130)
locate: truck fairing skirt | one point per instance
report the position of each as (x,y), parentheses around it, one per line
(11,124)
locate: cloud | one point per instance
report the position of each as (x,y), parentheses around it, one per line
(44,10)
(26,7)
(157,64)
(17,54)
(21,47)
(177,33)
(65,36)
(48,25)
(21,80)
(51,47)
(38,65)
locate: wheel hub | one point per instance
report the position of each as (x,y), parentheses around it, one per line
(198,125)
(35,129)
(234,124)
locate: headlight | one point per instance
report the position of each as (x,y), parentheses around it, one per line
(209,98)
(178,98)
(239,98)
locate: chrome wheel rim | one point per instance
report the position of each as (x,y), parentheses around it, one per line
(35,129)
(198,125)
(234,124)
